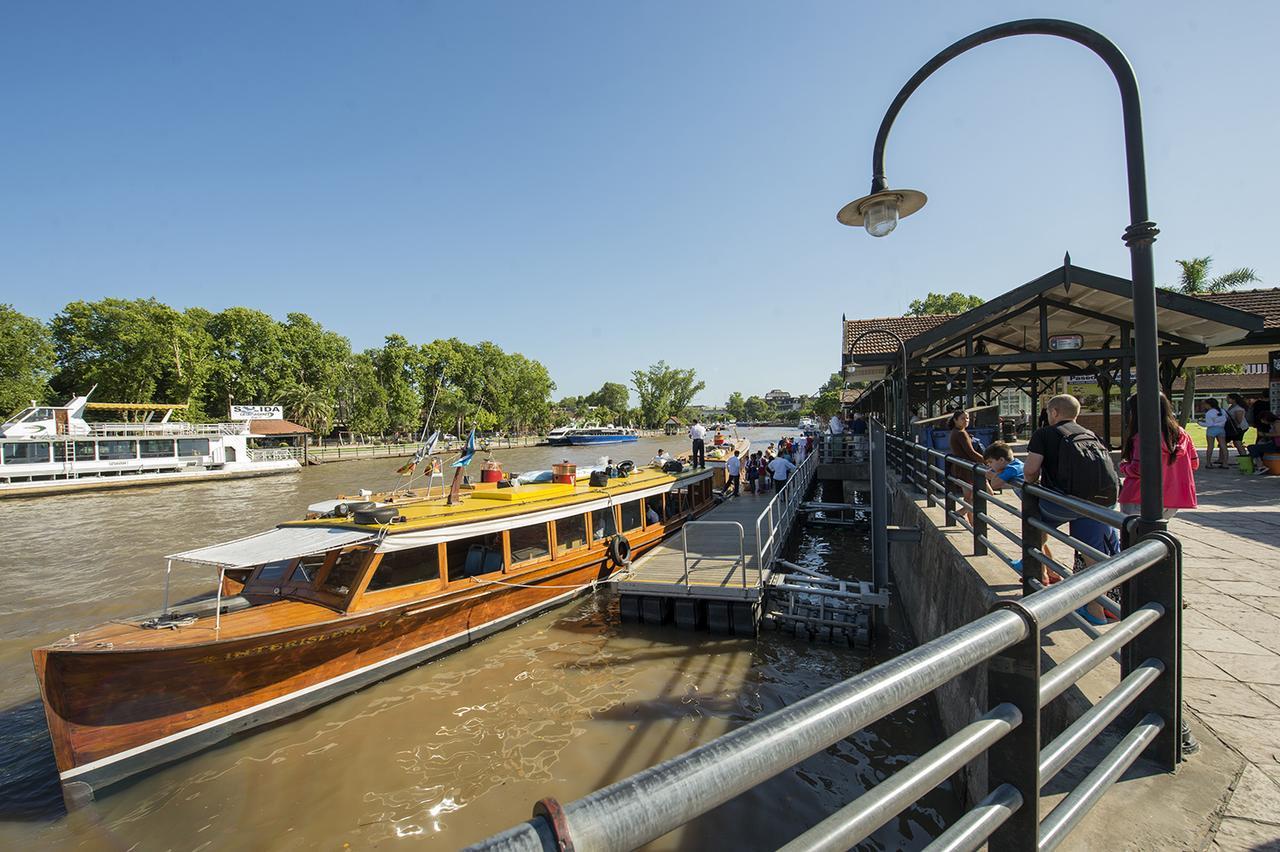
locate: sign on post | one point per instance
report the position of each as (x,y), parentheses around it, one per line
(257,412)
(1273,360)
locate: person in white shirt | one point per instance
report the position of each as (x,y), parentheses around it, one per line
(836,425)
(799,446)
(733,467)
(661,458)
(781,468)
(698,434)
(1215,423)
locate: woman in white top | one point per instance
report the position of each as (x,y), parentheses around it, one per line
(1215,429)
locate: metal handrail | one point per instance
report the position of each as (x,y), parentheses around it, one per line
(642,808)
(742,552)
(780,510)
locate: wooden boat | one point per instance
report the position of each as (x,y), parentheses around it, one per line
(317,608)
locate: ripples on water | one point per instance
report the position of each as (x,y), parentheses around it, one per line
(446,753)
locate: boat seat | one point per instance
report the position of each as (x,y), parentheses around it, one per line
(482,560)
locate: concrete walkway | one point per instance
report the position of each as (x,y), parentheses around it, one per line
(1231,627)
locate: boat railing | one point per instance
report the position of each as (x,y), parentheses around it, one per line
(739,560)
(165,430)
(275,454)
(774,522)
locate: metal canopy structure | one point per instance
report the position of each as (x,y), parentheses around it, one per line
(1070,321)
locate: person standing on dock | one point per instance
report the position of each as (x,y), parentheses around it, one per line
(698,433)
(733,470)
(781,468)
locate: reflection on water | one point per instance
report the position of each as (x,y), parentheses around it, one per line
(449,752)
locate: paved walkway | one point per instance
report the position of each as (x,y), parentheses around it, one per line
(1231,627)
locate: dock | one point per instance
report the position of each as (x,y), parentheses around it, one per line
(713,573)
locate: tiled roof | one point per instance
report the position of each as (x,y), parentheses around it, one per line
(1225,382)
(276,427)
(879,344)
(1265,303)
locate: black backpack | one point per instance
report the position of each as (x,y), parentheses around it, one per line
(1084,466)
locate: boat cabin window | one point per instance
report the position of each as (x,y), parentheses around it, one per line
(403,567)
(25,453)
(571,533)
(38,414)
(309,568)
(193,447)
(470,557)
(653,510)
(344,571)
(272,572)
(673,503)
(155,449)
(602,525)
(529,543)
(631,516)
(84,451)
(117,450)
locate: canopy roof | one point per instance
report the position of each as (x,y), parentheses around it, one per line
(1012,329)
(274,545)
(276,427)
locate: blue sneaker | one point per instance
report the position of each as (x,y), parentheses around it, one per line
(1084,613)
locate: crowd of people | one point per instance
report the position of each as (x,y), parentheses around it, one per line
(1227,427)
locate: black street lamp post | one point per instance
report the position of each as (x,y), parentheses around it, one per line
(879,213)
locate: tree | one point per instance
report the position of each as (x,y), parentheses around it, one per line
(249,360)
(944,303)
(310,407)
(613,398)
(26,360)
(736,406)
(758,409)
(827,401)
(397,363)
(1195,281)
(362,401)
(664,390)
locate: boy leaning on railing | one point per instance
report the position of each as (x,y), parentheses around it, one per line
(1007,470)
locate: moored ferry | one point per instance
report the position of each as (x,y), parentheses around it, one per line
(52,448)
(317,608)
(601,435)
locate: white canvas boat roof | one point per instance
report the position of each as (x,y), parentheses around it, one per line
(273,546)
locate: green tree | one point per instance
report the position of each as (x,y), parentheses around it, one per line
(310,407)
(249,362)
(758,409)
(664,390)
(26,360)
(1194,280)
(398,364)
(944,303)
(613,399)
(736,406)
(314,357)
(136,350)
(361,399)
(827,401)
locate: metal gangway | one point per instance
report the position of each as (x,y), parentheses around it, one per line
(715,572)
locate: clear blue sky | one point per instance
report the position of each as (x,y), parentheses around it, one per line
(600,185)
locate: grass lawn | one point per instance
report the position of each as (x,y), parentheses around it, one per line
(1196,431)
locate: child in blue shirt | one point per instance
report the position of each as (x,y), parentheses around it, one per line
(1005,469)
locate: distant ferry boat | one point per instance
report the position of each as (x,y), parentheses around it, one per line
(560,435)
(601,435)
(808,424)
(51,449)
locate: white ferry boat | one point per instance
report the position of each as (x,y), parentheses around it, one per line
(53,449)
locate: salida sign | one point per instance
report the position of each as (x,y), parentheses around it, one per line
(257,412)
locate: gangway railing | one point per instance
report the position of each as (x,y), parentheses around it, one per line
(1007,641)
(773,524)
(739,560)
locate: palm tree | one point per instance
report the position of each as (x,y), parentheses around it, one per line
(1195,281)
(310,407)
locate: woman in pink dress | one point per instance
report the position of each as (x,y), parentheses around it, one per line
(1176,451)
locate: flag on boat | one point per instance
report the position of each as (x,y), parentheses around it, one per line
(468,451)
(424,451)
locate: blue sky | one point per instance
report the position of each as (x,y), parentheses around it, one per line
(600,185)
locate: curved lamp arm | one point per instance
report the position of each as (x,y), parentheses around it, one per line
(902,344)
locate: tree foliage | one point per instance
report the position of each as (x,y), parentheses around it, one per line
(26,360)
(664,391)
(944,303)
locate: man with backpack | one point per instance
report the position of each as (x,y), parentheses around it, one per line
(1068,458)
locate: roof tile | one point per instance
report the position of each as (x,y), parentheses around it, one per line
(905,327)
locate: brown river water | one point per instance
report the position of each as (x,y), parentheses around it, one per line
(441,755)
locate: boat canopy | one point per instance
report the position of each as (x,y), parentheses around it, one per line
(275,545)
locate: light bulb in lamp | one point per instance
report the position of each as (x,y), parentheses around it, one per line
(879,212)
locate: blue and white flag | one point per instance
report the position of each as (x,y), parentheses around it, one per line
(468,451)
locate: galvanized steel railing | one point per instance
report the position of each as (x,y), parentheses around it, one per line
(644,807)
(773,524)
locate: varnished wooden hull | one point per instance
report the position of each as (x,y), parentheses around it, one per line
(114,713)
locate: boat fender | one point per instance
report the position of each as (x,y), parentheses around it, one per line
(385,515)
(626,467)
(620,551)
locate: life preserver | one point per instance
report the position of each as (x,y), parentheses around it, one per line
(620,551)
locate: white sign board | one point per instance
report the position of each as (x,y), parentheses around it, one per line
(257,412)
